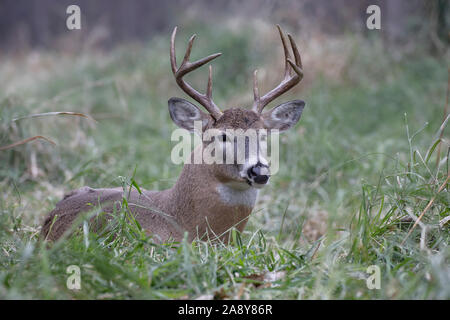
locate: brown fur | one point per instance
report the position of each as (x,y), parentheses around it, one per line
(239,118)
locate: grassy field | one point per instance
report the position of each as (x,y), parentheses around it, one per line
(355,174)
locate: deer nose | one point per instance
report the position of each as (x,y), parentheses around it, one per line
(259,173)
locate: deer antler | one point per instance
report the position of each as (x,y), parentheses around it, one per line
(186,66)
(289,80)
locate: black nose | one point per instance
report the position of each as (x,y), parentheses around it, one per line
(255,173)
(261,179)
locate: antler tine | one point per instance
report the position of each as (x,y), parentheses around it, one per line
(173,58)
(286,53)
(288,81)
(187,54)
(209,86)
(186,66)
(255,91)
(298,59)
(297,66)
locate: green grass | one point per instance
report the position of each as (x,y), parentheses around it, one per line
(350,173)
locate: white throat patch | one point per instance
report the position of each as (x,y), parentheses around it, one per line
(232,196)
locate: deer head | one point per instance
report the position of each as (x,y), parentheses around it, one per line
(255,169)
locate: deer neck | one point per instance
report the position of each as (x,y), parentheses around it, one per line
(201,201)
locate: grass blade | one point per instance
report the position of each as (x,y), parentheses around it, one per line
(18,143)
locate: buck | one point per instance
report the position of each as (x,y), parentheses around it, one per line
(207,200)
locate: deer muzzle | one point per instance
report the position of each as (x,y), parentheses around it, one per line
(258,174)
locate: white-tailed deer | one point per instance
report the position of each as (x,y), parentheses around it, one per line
(207,199)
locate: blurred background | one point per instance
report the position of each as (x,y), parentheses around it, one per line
(41,24)
(368,142)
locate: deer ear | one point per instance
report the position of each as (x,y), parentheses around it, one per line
(284,116)
(184,113)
